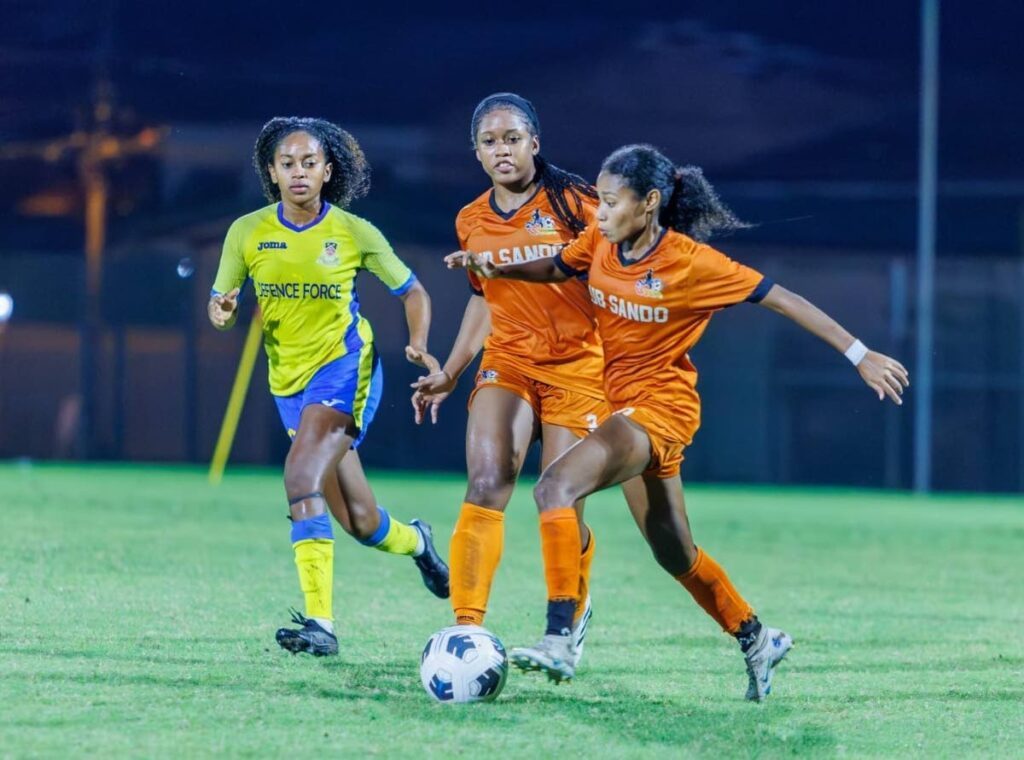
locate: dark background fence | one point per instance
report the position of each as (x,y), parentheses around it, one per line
(806,122)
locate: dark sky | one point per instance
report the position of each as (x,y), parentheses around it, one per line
(190,60)
(788,91)
(753,90)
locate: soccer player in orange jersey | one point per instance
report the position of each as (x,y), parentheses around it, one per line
(541,372)
(654,286)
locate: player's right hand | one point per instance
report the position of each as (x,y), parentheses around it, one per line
(428,392)
(223,308)
(474,262)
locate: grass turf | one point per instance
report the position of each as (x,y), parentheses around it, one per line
(138,606)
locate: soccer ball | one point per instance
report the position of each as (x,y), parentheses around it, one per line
(463,663)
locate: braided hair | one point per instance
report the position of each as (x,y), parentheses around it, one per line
(350,178)
(557,183)
(689,204)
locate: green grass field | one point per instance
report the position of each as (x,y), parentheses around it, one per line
(138,607)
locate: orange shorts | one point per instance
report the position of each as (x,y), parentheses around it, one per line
(666,453)
(552,404)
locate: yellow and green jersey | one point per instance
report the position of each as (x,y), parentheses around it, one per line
(305,282)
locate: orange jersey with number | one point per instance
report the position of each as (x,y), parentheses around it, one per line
(650,313)
(547,331)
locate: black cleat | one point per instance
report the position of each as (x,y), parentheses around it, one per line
(310,638)
(432,567)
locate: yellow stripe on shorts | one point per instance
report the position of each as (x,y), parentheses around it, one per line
(363,383)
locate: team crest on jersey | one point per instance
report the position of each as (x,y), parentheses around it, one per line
(650,286)
(329,255)
(541,225)
(488,376)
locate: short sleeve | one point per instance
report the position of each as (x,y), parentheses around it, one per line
(716,281)
(461,239)
(232,270)
(379,258)
(575,258)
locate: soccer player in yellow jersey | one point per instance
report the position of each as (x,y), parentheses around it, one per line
(303,253)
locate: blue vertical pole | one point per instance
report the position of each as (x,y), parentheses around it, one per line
(927,172)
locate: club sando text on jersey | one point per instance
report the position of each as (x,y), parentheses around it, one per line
(637,312)
(517,255)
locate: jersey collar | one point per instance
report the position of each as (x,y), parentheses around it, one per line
(508,215)
(324,208)
(630,262)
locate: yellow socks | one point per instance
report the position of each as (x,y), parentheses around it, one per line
(313,542)
(394,537)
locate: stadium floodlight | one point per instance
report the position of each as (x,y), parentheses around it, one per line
(6,306)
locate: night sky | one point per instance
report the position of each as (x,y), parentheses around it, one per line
(754,92)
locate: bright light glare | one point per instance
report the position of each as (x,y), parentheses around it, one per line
(6,307)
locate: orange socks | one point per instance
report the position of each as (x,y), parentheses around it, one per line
(711,589)
(585,559)
(474,554)
(560,545)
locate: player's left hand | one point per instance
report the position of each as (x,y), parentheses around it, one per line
(884,375)
(421,358)
(474,262)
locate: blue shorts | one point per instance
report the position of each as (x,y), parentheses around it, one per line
(352,384)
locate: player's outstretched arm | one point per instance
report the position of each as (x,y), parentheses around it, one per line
(417,316)
(538,270)
(222,309)
(883,374)
(430,390)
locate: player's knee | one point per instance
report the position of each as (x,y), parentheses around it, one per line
(675,557)
(490,487)
(298,481)
(551,492)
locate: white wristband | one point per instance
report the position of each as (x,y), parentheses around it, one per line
(856,352)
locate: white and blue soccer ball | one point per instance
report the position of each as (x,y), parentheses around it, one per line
(463,663)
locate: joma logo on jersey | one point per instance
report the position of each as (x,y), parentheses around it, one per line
(265,244)
(329,255)
(650,286)
(541,225)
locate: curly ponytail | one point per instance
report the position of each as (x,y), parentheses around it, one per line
(689,204)
(694,207)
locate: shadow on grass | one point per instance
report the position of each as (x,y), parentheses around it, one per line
(620,714)
(928,695)
(978,665)
(637,719)
(104,655)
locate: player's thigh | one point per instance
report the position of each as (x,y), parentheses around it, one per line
(501,427)
(617,451)
(323,437)
(555,441)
